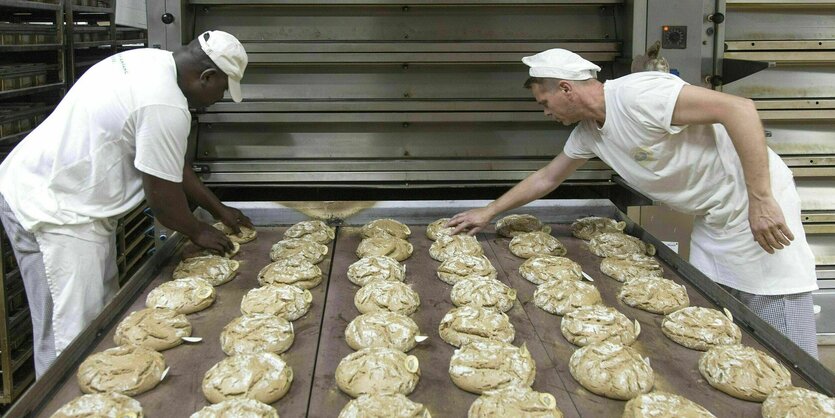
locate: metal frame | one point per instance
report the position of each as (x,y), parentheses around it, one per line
(423,212)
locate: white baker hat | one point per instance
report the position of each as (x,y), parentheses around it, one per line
(228,54)
(560,63)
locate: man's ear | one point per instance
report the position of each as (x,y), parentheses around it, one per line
(207,75)
(565,86)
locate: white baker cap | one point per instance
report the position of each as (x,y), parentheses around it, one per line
(228,54)
(560,63)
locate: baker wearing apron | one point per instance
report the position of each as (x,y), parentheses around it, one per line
(701,153)
(119,136)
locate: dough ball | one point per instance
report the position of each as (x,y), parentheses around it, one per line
(191,250)
(598,323)
(376,267)
(446,247)
(612,244)
(798,403)
(467,324)
(459,267)
(743,372)
(282,300)
(483,292)
(515,401)
(188,295)
(128,369)
(587,228)
(654,294)
(630,266)
(394,405)
(297,247)
(108,404)
(382,329)
(215,269)
(438,228)
(662,404)
(313,230)
(237,408)
(700,328)
(384,245)
(295,271)
(531,244)
(482,366)
(247,234)
(611,370)
(155,328)
(377,370)
(264,377)
(562,296)
(545,268)
(387,296)
(250,334)
(385,228)
(513,225)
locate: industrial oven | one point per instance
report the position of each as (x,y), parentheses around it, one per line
(358,109)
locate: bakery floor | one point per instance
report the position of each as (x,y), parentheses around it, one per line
(319,343)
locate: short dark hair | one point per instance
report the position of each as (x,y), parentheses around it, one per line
(548,83)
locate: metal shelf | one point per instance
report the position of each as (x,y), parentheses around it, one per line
(411,3)
(14,138)
(92,9)
(108,42)
(31,90)
(30,5)
(30,48)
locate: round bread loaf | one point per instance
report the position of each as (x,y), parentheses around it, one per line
(377,370)
(127,369)
(438,228)
(394,405)
(257,333)
(598,323)
(459,267)
(513,225)
(382,329)
(701,328)
(313,230)
(447,246)
(743,372)
(297,247)
(245,235)
(587,228)
(482,366)
(515,401)
(562,296)
(545,268)
(264,377)
(612,370)
(798,402)
(630,266)
(155,328)
(483,292)
(468,324)
(188,295)
(237,408)
(662,404)
(614,244)
(654,294)
(282,300)
(108,404)
(385,245)
(383,295)
(295,271)
(531,244)
(385,228)
(376,267)
(215,269)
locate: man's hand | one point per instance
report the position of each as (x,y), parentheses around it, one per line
(233,218)
(471,221)
(768,224)
(209,237)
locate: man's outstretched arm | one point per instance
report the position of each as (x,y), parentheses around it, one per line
(538,184)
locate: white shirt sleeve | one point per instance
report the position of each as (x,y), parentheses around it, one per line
(651,101)
(577,147)
(161,141)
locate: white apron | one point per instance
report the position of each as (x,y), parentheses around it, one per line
(81,270)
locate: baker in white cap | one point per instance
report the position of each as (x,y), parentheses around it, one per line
(118,137)
(698,151)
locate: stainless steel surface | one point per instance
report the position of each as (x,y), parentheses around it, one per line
(825,320)
(675,366)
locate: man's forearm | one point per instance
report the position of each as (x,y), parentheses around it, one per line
(198,193)
(170,206)
(537,185)
(747,134)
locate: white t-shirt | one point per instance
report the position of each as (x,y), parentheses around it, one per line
(83,164)
(692,169)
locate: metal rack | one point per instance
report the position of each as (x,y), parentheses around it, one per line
(31,65)
(32,81)
(17,370)
(92,34)
(134,241)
